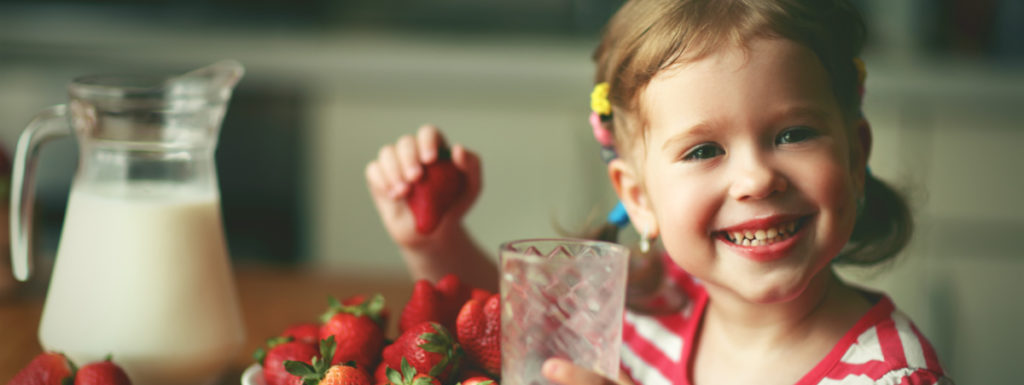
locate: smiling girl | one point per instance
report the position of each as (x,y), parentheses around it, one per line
(733,133)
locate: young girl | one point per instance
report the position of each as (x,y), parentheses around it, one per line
(733,133)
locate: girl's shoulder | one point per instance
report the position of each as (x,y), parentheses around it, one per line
(883,347)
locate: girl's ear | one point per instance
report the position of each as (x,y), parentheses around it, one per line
(628,184)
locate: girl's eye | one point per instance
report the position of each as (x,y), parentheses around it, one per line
(703,152)
(796,135)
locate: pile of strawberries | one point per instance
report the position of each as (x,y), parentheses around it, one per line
(449,333)
(51,368)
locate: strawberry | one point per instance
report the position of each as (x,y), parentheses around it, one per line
(48,368)
(308,332)
(359,299)
(453,295)
(380,376)
(279,350)
(478,329)
(321,372)
(479,294)
(357,332)
(478,380)
(428,348)
(102,373)
(409,376)
(435,192)
(424,306)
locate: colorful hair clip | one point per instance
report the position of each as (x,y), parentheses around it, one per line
(601,133)
(618,216)
(599,99)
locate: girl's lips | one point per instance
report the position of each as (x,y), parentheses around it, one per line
(763,223)
(765,252)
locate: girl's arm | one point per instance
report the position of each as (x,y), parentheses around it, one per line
(449,248)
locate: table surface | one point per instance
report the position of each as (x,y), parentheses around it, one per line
(271,299)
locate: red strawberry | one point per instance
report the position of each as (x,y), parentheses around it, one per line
(478,329)
(345,375)
(453,295)
(281,349)
(428,348)
(424,306)
(102,373)
(479,380)
(359,299)
(359,337)
(409,376)
(321,372)
(308,332)
(45,369)
(479,294)
(435,192)
(380,376)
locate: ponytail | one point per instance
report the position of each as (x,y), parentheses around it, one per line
(883,227)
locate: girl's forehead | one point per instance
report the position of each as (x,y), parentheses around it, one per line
(775,70)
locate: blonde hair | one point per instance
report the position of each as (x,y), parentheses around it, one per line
(646,36)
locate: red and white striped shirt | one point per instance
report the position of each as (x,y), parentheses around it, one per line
(884,347)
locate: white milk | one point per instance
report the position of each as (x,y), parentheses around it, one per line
(148,281)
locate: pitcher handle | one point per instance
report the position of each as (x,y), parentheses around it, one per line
(50,124)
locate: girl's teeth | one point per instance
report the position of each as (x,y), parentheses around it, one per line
(763,236)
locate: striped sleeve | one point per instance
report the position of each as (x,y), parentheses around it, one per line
(891,352)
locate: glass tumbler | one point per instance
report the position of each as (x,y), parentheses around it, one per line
(561,298)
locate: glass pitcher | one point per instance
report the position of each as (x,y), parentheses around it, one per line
(142,270)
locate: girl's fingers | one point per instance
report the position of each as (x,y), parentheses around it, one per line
(469,163)
(387,160)
(408,158)
(378,187)
(564,372)
(428,140)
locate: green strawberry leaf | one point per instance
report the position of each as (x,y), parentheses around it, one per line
(408,372)
(260,355)
(327,348)
(299,368)
(394,376)
(434,347)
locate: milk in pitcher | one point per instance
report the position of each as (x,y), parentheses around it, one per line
(144,276)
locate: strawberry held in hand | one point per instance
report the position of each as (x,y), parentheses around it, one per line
(45,369)
(102,373)
(435,192)
(478,329)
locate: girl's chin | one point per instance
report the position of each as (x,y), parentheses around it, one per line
(766,291)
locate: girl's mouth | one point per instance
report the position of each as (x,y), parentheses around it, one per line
(764,239)
(763,236)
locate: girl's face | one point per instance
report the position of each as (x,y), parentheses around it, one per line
(746,169)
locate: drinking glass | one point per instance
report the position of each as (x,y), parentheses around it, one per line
(561,298)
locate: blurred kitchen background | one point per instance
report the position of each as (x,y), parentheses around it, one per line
(330,81)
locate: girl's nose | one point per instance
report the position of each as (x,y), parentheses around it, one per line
(756,180)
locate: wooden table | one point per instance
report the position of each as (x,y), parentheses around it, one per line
(271,298)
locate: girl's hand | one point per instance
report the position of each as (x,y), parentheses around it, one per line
(390,176)
(564,372)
